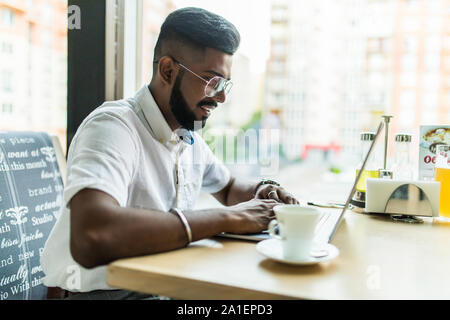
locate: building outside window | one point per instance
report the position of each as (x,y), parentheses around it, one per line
(7,17)
(7,108)
(7,48)
(6,81)
(320,72)
(33,66)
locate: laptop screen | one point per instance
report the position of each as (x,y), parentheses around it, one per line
(347,203)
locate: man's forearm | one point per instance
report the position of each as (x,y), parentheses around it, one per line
(102,231)
(136,232)
(105,231)
(240,191)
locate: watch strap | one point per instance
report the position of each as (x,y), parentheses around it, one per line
(265,182)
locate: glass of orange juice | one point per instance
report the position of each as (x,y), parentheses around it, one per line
(443,176)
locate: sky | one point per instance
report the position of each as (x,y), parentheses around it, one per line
(251,18)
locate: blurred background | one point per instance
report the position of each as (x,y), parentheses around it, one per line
(317,72)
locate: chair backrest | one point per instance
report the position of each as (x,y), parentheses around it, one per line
(31,190)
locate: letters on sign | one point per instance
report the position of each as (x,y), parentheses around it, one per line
(30,199)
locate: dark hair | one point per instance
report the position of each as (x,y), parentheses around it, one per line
(199,28)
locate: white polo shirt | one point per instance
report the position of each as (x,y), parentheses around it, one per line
(126,149)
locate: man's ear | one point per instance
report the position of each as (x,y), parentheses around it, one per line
(167,70)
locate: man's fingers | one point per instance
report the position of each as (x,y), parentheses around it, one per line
(271,202)
(277,194)
(288,198)
(273,194)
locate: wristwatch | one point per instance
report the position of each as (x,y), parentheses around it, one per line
(264,182)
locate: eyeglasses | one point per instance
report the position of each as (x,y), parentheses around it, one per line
(214,86)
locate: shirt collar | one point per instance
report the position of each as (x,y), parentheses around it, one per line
(154,117)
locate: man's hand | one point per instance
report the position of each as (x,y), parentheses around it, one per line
(275,193)
(250,217)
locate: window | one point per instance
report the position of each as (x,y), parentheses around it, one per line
(7,18)
(431,81)
(410,44)
(7,47)
(279,48)
(47,14)
(279,14)
(446,43)
(377,62)
(373,45)
(432,61)
(278,66)
(430,100)
(434,7)
(6,81)
(430,107)
(429,116)
(409,79)
(409,62)
(446,63)
(407,100)
(376,79)
(376,98)
(303,68)
(434,25)
(406,117)
(7,108)
(433,44)
(47,38)
(411,24)
(412,4)
(33,64)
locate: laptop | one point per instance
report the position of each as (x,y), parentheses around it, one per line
(330,218)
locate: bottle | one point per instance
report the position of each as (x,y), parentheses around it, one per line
(403,168)
(372,169)
(386,174)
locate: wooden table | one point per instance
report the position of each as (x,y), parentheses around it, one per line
(379,259)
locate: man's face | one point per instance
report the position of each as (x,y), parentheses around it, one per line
(188,101)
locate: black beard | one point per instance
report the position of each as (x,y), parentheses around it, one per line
(180,109)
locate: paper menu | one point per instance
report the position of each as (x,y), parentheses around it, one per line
(430,137)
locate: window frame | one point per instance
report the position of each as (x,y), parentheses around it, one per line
(86,64)
(101,66)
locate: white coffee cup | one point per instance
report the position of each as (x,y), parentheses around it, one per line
(296,226)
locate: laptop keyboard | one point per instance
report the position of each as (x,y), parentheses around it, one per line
(322,232)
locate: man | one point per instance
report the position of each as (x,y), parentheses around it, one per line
(136,167)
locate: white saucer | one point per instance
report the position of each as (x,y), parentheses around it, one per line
(272,249)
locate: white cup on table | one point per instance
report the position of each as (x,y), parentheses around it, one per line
(296,225)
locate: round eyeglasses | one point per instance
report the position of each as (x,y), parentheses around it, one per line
(217,85)
(213,86)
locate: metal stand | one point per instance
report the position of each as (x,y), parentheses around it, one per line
(387,120)
(407,202)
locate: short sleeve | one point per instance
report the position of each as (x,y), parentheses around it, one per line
(102,157)
(216,175)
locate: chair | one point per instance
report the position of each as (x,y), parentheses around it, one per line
(32,177)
